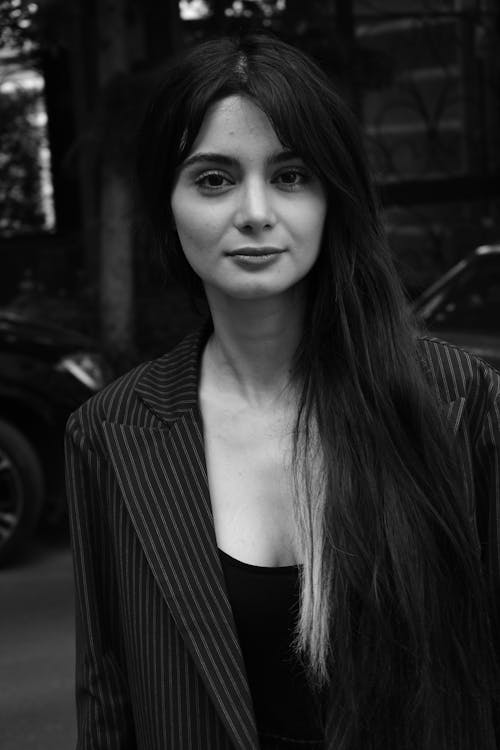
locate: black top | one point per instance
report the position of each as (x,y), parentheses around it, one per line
(265,604)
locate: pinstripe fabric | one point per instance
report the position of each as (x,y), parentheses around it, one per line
(158,661)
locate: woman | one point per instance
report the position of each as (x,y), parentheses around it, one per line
(285,531)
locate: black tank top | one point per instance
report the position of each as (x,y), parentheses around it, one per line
(265,605)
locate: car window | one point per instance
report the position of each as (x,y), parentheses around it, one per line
(473,303)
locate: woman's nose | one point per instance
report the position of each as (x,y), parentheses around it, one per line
(255,208)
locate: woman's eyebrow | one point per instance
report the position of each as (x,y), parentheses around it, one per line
(231,161)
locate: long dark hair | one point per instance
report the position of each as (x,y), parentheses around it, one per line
(394,624)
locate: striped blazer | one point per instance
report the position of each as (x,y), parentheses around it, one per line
(158,661)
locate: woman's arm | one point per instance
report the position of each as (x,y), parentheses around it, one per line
(487,481)
(102,695)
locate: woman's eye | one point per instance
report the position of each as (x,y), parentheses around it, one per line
(212,181)
(292,178)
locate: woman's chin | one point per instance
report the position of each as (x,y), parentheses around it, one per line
(252,292)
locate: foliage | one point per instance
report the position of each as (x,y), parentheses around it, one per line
(202,9)
(20,143)
(18,24)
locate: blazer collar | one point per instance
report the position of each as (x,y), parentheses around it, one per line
(169,386)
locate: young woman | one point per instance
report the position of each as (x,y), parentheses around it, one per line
(285,531)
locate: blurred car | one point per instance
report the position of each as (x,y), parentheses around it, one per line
(45,373)
(463,306)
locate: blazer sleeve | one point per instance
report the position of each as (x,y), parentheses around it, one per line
(104,720)
(487,479)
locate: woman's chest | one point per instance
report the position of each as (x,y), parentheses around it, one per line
(248,456)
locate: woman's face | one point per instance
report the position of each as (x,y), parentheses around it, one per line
(249,214)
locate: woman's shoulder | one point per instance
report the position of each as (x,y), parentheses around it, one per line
(143,395)
(457,373)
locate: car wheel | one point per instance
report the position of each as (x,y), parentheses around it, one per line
(21,490)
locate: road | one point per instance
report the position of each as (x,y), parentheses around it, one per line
(37,650)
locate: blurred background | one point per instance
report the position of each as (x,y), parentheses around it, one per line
(82,297)
(422,75)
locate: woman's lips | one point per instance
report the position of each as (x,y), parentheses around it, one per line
(255,257)
(256,251)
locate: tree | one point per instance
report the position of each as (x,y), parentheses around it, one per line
(116,250)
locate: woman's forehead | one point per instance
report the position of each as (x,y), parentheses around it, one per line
(235,122)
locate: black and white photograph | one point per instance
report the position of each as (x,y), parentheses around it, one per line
(249,375)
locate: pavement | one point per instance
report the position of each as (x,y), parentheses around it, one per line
(37,649)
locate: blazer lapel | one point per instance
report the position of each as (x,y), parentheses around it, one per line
(162,475)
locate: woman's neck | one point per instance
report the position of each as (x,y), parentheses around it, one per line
(251,351)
